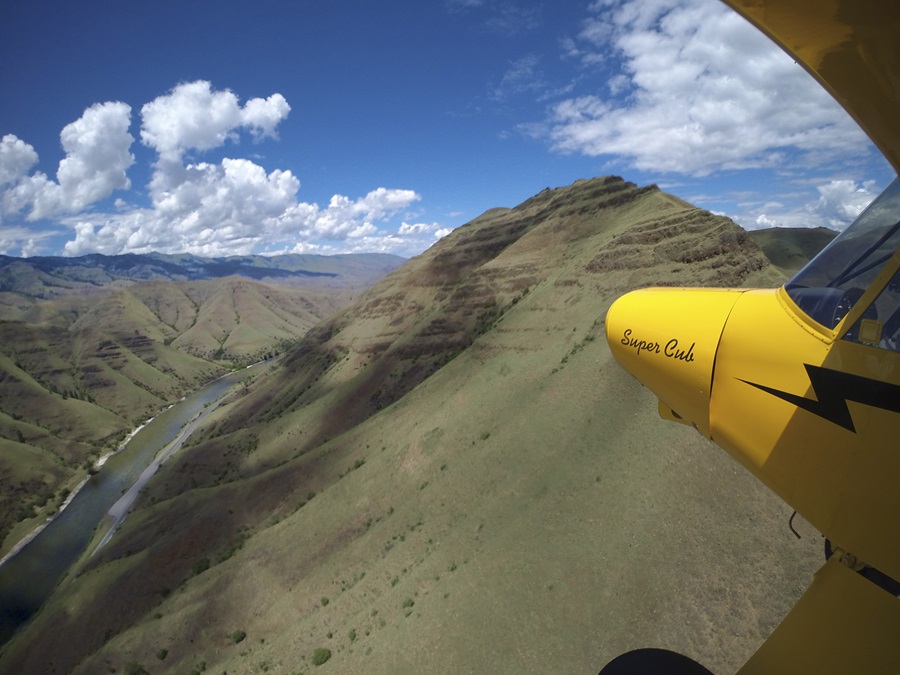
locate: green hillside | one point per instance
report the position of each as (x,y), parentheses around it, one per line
(452,474)
(789,248)
(78,372)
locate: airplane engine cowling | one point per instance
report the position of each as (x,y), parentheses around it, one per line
(667,338)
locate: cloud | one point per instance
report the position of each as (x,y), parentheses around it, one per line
(411,238)
(407,229)
(237,190)
(236,208)
(263,115)
(841,201)
(512,19)
(505,17)
(342,216)
(231,207)
(523,76)
(16,159)
(838,204)
(96,164)
(385,242)
(18,240)
(97,155)
(419,229)
(194,117)
(705,91)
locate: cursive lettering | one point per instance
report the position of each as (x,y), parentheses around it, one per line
(673,352)
(640,345)
(672,348)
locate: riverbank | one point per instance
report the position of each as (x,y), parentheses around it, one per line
(117,513)
(29,577)
(34,532)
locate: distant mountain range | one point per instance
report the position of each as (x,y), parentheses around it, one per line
(46,277)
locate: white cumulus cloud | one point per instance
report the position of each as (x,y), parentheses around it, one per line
(97,155)
(194,117)
(261,116)
(841,201)
(412,229)
(97,147)
(343,217)
(231,207)
(838,204)
(236,208)
(16,158)
(705,91)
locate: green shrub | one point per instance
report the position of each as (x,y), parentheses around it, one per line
(237,636)
(200,566)
(162,654)
(320,656)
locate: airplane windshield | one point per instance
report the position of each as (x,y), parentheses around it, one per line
(828,287)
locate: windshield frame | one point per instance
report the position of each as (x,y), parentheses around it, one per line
(868,248)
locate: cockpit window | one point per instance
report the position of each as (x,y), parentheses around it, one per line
(879,326)
(828,287)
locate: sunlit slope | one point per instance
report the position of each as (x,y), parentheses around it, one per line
(452,474)
(609,236)
(239,319)
(231,318)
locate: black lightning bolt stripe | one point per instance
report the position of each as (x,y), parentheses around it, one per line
(833,389)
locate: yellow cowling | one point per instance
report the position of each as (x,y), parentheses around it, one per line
(667,338)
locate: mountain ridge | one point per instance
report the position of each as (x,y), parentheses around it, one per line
(452,469)
(50,276)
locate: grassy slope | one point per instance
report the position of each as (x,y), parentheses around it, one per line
(456,463)
(67,397)
(790,247)
(78,372)
(247,319)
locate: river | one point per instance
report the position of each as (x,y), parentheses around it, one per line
(28,578)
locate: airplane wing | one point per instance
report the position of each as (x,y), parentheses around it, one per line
(842,624)
(851,47)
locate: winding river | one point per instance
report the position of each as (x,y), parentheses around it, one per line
(28,577)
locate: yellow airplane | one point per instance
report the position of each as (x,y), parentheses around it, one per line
(801,384)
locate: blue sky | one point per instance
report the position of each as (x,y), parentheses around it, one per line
(228,128)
